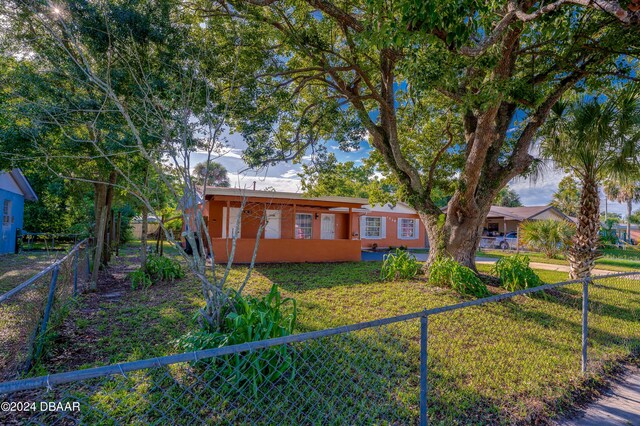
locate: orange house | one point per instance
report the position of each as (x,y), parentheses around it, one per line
(384,226)
(298,229)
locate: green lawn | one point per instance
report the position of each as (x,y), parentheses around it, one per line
(20,314)
(17,268)
(513,361)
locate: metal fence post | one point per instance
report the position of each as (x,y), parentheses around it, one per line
(88,260)
(585,316)
(47,310)
(75,272)
(424,325)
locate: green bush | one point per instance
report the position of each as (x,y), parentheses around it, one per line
(158,268)
(515,273)
(140,279)
(164,268)
(250,319)
(548,236)
(446,272)
(399,265)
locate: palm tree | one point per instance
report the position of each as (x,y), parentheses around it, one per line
(217,174)
(627,192)
(594,140)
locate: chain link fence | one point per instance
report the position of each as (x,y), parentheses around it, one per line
(27,309)
(507,359)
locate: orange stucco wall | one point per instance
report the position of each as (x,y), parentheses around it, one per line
(391,239)
(286,248)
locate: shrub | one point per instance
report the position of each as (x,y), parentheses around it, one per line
(158,268)
(399,265)
(250,319)
(446,272)
(140,279)
(515,273)
(164,268)
(548,236)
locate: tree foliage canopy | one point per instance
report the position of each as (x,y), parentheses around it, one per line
(507,197)
(215,174)
(567,197)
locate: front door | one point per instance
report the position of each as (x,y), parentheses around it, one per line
(328,226)
(272,229)
(234,212)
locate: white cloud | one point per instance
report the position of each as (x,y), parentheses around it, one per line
(264,182)
(289,173)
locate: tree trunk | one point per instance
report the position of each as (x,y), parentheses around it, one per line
(145,228)
(143,238)
(118,233)
(583,252)
(457,235)
(101,223)
(106,254)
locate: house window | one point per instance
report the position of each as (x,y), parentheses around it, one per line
(6,212)
(373,227)
(304,224)
(407,229)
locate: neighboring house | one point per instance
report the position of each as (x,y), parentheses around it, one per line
(14,190)
(152,226)
(504,220)
(303,229)
(621,232)
(392,226)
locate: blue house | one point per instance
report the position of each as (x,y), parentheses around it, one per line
(14,190)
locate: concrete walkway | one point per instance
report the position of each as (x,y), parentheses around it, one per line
(545,266)
(619,406)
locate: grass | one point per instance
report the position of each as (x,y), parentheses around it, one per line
(20,314)
(17,268)
(513,361)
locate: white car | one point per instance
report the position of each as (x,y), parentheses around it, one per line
(508,241)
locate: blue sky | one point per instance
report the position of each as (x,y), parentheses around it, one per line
(283,177)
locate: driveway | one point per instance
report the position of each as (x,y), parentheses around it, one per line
(618,406)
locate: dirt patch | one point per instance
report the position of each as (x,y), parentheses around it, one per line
(74,344)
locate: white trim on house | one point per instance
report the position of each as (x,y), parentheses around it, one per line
(15,182)
(400,207)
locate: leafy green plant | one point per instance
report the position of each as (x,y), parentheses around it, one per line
(515,273)
(140,279)
(250,319)
(399,265)
(608,232)
(158,268)
(164,268)
(446,272)
(548,236)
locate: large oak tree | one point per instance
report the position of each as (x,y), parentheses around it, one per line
(434,86)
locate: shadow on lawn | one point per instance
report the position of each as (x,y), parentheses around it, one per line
(365,377)
(308,276)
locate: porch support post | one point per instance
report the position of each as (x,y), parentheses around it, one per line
(350,230)
(227,221)
(293,223)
